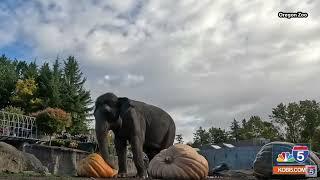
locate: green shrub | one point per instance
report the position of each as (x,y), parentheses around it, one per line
(64,143)
(58,142)
(73,144)
(52,120)
(12,109)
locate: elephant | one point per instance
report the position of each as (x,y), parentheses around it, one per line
(148,129)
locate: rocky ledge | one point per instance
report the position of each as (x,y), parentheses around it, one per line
(15,161)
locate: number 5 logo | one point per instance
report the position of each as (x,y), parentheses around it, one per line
(311,170)
(300,153)
(300,156)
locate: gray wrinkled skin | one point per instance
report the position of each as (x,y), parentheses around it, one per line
(147,128)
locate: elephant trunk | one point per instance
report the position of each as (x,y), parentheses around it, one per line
(101,130)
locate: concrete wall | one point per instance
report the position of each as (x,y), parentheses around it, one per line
(63,161)
(236,158)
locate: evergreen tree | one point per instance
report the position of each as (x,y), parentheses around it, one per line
(44,89)
(20,68)
(217,135)
(244,123)
(201,137)
(8,79)
(179,139)
(235,130)
(31,72)
(75,99)
(55,86)
(244,129)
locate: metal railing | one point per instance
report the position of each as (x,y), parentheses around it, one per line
(17,125)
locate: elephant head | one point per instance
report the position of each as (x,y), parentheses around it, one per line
(108,108)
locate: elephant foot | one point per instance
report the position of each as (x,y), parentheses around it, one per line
(122,175)
(142,176)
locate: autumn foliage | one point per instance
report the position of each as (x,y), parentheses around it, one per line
(52,120)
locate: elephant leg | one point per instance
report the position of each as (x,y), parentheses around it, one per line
(169,138)
(137,150)
(121,148)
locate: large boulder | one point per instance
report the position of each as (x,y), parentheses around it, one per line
(15,161)
(262,165)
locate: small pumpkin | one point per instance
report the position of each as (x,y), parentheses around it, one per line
(179,161)
(95,166)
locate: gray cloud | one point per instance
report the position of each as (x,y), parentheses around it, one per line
(205,62)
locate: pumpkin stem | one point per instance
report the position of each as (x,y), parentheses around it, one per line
(168,159)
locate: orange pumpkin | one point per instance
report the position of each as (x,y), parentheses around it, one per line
(95,166)
(179,161)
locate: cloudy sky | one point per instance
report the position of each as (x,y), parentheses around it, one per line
(205,62)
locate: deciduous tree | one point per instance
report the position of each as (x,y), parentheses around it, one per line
(310,112)
(52,120)
(297,120)
(25,95)
(257,128)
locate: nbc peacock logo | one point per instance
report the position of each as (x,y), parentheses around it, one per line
(285,157)
(293,162)
(299,154)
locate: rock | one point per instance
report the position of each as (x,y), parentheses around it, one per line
(34,174)
(34,164)
(219,168)
(13,160)
(234,174)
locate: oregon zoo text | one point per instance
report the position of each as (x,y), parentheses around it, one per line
(290,15)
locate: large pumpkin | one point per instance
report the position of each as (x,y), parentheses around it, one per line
(179,161)
(95,166)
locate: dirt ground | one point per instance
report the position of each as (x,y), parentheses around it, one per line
(79,178)
(16,177)
(39,177)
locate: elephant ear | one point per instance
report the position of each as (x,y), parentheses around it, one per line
(124,104)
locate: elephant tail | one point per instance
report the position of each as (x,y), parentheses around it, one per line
(169,137)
